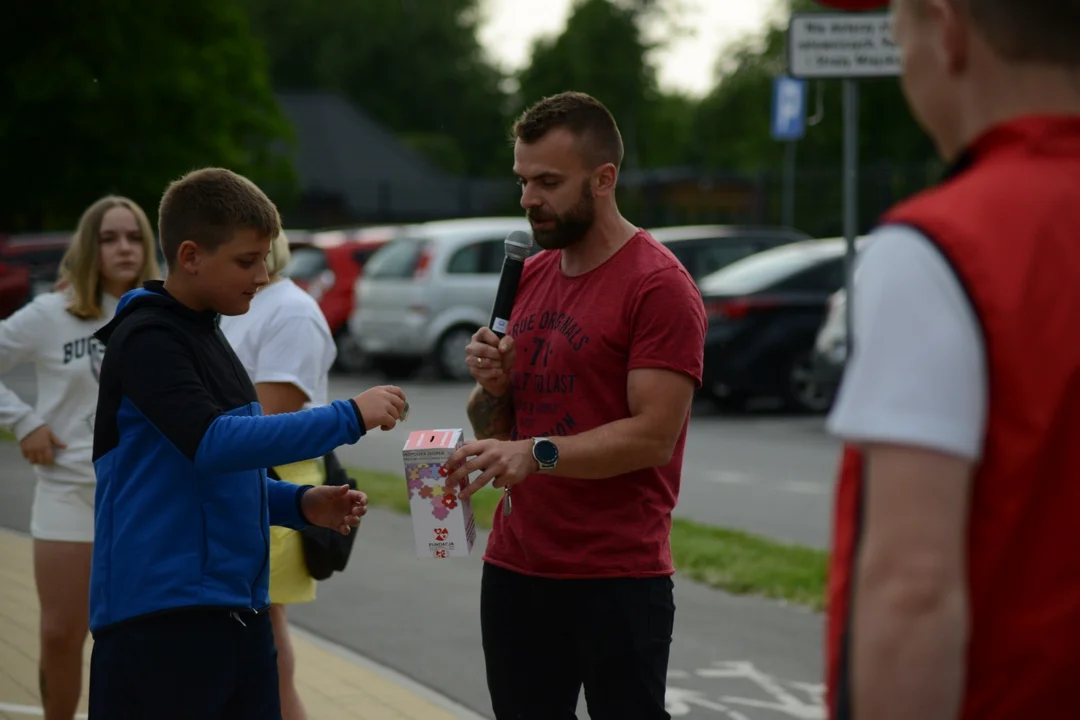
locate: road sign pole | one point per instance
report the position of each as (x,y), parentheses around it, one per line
(847,45)
(789,182)
(851,193)
(788,126)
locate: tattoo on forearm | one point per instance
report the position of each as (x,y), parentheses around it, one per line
(490,415)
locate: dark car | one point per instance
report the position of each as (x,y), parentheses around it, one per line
(14,288)
(40,254)
(764,313)
(704,249)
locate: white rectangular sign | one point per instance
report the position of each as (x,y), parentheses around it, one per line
(842,45)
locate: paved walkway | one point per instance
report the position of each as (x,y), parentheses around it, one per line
(333,683)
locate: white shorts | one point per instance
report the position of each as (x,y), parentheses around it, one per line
(63,512)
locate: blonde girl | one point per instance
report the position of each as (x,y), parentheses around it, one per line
(111,252)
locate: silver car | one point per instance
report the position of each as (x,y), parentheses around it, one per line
(423,295)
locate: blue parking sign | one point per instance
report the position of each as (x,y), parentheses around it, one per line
(788,108)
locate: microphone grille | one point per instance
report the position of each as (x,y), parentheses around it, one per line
(518,245)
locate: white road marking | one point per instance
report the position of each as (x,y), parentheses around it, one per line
(805,488)
(734,477)
(778,696)
(730,477)
(679,703)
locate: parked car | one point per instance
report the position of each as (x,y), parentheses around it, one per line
(423,295)
(326,264)
(40,254)
(831,347)
(764,312)
(704,249)
(15,287)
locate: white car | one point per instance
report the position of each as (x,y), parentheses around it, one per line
(423,295)
(831,346)
(832,338)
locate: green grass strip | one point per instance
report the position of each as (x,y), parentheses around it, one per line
(732,560)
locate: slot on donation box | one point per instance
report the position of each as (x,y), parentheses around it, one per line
(443,525)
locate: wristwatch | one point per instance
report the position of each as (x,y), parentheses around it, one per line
(546,453)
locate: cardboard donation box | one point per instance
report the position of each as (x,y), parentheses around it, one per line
(443,525)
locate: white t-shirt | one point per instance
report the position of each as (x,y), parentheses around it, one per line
(67,359)
(284,338)
(917,372)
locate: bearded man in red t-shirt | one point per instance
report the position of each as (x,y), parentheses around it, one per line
(581,410)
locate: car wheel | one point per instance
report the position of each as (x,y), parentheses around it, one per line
(350,356)
(722,398)
(729,403)
(450,353)
(804,392)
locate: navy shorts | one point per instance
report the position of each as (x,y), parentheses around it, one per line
(186,665)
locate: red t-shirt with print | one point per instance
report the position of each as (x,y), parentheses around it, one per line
(577,339)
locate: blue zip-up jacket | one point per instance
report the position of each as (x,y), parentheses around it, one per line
(183,504)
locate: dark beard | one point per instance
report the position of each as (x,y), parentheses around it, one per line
(570,227)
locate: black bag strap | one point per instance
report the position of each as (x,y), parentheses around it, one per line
(333,466)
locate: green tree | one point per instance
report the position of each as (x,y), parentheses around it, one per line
(121,97)
(602,52)
(414,65)
(732,129)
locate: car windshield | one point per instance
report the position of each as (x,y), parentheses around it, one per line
(396,259)
(764,269)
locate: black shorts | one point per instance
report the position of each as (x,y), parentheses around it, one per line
(544,640)
(186,665)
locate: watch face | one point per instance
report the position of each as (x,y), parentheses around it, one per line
(546,452)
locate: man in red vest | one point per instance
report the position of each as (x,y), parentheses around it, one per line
(954,586)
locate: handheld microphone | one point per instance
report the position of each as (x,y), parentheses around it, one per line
(518,247)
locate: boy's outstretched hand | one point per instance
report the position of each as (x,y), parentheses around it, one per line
(382,407)
(337,507)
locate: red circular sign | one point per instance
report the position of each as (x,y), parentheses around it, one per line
(854,5)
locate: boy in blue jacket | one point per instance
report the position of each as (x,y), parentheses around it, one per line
(180,581)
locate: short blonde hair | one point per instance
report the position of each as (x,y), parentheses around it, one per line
(279,256)
(80,268)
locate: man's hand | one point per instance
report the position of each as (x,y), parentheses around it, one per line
(337,507)
(490,360)
(381,406)
(37,447)
(505,462)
